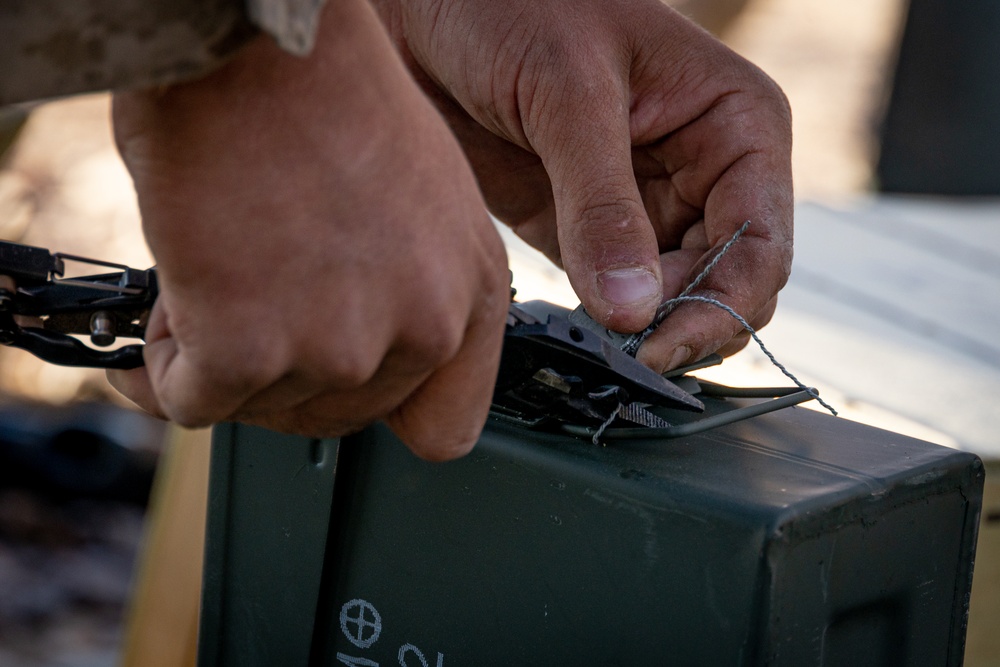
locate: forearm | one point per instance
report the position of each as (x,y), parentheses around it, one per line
(301,126)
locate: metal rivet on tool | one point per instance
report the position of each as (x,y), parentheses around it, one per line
(102,329)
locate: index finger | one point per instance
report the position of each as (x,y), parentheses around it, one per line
(746,278)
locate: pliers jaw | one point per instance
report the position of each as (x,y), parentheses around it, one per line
(554,370)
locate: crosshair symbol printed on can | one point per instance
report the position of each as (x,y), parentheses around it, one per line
(360,622)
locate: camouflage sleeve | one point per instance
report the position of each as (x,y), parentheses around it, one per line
(291,22)
(60,47)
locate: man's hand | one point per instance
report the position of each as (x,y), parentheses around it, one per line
(625,143)
(324,254)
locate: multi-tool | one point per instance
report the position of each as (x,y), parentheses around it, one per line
(559,369)
(42,311)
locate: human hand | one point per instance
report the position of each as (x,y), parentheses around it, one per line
(325,258)
(625,143)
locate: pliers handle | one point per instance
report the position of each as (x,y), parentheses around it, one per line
(41,311)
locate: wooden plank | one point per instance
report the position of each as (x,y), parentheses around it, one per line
(869,359)
(162,627)
(902,278)
(887,318)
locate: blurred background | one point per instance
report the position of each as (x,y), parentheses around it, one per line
(884,313)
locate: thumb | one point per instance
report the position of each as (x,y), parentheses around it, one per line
(608,247)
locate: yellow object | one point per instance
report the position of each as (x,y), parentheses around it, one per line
(982,646)
(162,626)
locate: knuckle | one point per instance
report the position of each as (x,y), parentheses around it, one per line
(442,339)
(438,332)
(609,233)
(352,369)
(779,101)
(493,300)
(605,217)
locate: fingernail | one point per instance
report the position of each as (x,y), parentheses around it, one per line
(681,356)
(625,287)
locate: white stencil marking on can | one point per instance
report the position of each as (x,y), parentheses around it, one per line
(410,648)
(360,622)
(352,661)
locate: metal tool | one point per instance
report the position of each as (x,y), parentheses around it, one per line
(42,311)
(560,371)
(555,372)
